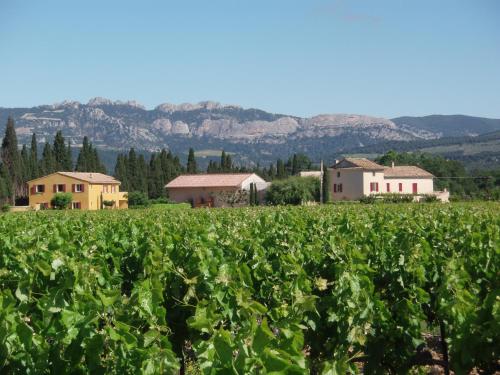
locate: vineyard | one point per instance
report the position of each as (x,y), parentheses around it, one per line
(322,290)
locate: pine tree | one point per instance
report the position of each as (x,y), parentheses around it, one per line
(11,159)
(34,164)
(191,162)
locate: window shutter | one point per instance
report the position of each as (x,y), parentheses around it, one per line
(376,186)
(73,189)
(64,188)
(340,188)
(32,189)
(400,187)
(54,187)
(83,188)
(388,187)
(334,188)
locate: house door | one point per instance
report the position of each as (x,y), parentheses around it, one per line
(414,186)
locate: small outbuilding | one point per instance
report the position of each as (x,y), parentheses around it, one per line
(216,190)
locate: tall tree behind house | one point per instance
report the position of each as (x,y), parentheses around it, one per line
(9,154)
(191,162)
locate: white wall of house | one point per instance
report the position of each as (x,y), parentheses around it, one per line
(424,185)
(352,183)
(375,177)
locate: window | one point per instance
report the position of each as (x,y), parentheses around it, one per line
(373,186)
(39,189)
(388,185)
(340,188)
(113,188)
(400,187)
(105,188)
(338,174)
(78,188)
(59,188)
(76,205)
(414,188)
(334,188)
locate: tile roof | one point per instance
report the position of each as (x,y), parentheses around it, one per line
(92,177)
(406,171)
(209,180)
(362,163)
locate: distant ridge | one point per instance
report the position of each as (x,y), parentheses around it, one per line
(251,134)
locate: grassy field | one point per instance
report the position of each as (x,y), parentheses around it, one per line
(279,290)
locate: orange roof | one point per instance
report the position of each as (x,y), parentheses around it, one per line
(209,180)
(406,171)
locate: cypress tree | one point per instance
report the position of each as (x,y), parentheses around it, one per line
(9,154)
(60,152)
(191,162)
(34,164)
(84,157)
(121,172)
(142,174)
(69,158)
(132,173)
(5,185)
(280,169)
(25,169)
(326,186)
(48,163)
(295,166)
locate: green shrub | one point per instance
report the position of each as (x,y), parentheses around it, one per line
(161,200)
(137,198)
(294,190)
(429,199)
(368,199)
(61,201)
(108,203)
(5,208)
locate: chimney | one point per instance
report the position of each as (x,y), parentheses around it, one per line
(392,164)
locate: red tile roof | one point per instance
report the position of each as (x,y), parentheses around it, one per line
(209,180)
(406,171)
(91,177)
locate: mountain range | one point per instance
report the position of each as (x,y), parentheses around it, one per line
(252,135)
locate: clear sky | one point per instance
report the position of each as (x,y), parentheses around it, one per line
(300,57)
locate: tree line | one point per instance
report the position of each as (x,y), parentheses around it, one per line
(19,166)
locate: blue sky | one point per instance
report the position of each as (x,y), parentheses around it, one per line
(384,57)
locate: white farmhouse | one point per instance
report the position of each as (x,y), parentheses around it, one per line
(353,178)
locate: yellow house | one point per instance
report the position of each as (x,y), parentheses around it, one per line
(90,190)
